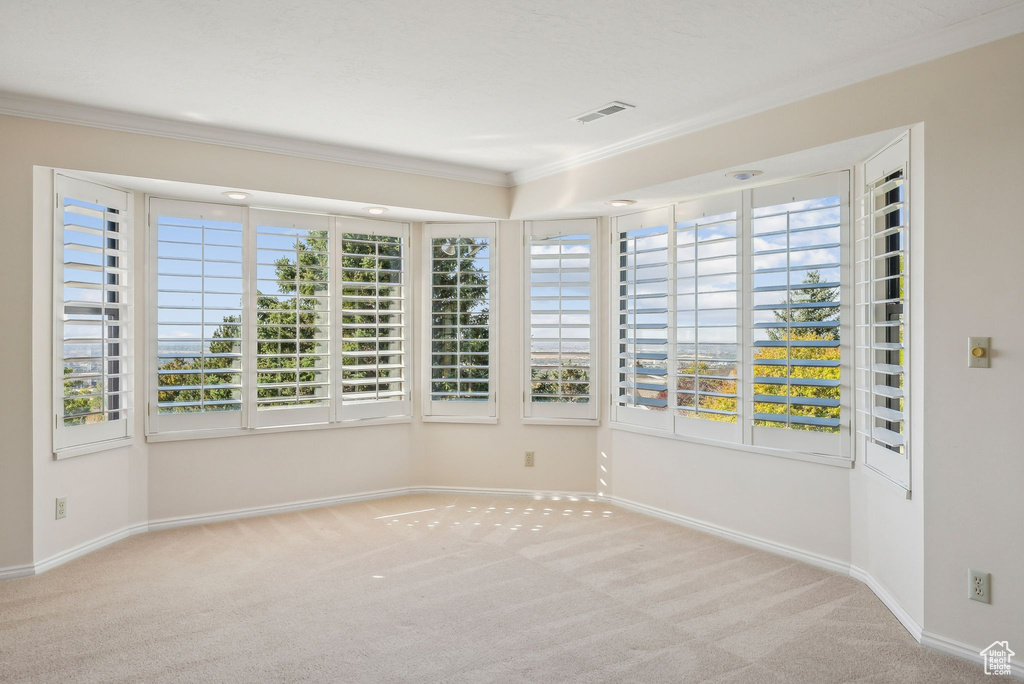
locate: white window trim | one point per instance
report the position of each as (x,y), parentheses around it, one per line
(894,468)
(71,441)
(555,413)
(480,412)
(790,443)
(338,416)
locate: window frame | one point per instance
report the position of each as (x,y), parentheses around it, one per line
(689,211)
(382,410)
(285,415)
(801,445)
(213,421)
(449,412)
(626,413)
(76,440)
(836,445)
(560,413)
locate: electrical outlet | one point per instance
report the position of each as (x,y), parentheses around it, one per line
(529,459)
(62,507)
(978,584)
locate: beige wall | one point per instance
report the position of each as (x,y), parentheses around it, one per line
(108,492)
(492,455)
(967,510)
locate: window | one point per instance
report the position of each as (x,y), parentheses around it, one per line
(882,296)
(374,327)
(643,327)
(797,233)
(748,306)
(561,269)
(247,332)
(291,302)
(707,283)
(199,319)
(460,263)
(93,316)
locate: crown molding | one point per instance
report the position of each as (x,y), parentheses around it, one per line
(964,35)
(80,115)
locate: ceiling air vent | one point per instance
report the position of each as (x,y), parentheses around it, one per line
(602,112)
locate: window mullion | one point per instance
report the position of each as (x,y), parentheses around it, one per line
(672,292)
(745,365)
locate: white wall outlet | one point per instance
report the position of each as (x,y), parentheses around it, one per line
(62,507)
(978,586)
(529,459)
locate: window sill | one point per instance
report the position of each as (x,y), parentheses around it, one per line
(93,448)
(214,433)
(571,422)
(479,420)
(749,448)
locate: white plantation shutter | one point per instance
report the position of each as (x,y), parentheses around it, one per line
(797,234)
(732,318)
(197,317)
(882,291)
(290,300)
(460,344)
(560,267)
(707,318)
(375,345)
(93,329)
(642,328)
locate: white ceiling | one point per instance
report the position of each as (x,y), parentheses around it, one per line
(475,83)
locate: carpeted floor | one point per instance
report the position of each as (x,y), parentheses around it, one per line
(462,589)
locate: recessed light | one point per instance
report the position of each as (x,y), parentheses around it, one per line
(621,203)
(376,211)
(746,174)
(235,194)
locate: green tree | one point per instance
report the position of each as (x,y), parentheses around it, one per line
(806,306)
(76,406)
(459,293)
(289,325)
(372,345)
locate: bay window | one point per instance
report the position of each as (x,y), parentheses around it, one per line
(270,319)
(733,318)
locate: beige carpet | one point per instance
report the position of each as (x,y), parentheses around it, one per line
(473,589)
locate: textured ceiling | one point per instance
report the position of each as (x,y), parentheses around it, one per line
(475,82)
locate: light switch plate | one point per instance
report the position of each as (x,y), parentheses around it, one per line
(973,359)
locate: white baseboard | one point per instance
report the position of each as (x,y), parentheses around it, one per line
(962,650)
(497,491)
(928,639)
(88,547)
(889,601)
(16,571)
(815,559)
(223,516)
